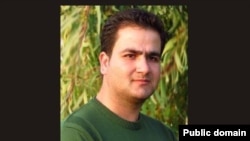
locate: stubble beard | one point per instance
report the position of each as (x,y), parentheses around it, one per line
(132,97)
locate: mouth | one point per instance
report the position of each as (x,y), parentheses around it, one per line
(142,81)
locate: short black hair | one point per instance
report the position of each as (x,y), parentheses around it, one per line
(128,17)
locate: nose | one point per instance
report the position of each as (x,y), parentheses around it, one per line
(142,65)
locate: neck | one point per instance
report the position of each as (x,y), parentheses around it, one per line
(127,110)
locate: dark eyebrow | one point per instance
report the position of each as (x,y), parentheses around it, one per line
(132,51)
(153,53)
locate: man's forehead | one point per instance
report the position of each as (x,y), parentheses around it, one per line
(137,39)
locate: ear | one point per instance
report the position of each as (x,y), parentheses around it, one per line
(104,62)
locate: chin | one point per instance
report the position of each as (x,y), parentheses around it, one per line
(137,101)
(143,94)
(141,97)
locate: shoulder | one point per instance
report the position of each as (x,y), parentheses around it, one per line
(77,127)
(82,113)
(78,130)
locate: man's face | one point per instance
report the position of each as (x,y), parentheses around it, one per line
(132,72)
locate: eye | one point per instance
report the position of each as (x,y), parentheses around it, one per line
(130,56)
(154,58)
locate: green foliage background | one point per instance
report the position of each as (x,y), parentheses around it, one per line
(80,44)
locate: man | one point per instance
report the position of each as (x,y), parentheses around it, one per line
(131,45)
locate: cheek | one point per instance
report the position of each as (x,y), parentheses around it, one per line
(156,71)
(119,69)
(122,66)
